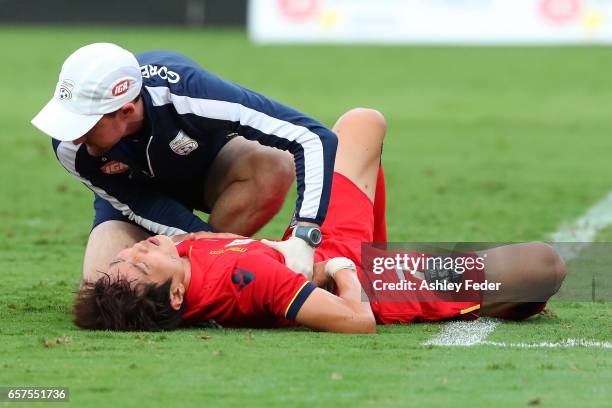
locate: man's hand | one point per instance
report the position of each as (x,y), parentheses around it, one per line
(299,256)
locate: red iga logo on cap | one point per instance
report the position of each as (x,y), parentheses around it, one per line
(121,88)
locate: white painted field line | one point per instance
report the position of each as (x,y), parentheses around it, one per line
(568,343)
(582,231)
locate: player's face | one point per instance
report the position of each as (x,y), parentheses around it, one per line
(154,260)
(104,135)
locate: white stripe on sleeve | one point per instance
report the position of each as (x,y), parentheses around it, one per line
(235,112)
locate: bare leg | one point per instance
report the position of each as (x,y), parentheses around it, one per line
(105,240)
(528,273)
(246,186)
(360,134)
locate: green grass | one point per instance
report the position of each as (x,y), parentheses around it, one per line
(484,144)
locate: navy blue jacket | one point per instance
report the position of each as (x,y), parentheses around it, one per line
(156,177)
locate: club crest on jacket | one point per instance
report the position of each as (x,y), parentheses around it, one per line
(183,144)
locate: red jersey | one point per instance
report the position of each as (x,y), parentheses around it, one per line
(241,283)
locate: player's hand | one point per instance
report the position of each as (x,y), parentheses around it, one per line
(299,256)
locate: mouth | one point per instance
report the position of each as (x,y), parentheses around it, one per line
(154,241)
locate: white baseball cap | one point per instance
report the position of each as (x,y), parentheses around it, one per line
(96,79)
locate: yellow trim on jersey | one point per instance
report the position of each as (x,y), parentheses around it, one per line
(297,292)
(190,248)
(469,309)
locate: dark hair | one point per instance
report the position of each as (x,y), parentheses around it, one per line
(116,304)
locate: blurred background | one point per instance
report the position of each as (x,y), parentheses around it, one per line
(143,12)
(342,21)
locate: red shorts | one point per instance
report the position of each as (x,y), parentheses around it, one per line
(349,223)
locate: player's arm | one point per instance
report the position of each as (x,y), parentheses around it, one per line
(151,210)
(345,313)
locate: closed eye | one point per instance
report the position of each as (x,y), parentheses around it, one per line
(115,262)
(142,267)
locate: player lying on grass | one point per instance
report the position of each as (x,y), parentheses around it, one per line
(240,282)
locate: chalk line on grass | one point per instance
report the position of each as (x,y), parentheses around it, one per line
(580,232)
(584,229)
(464,333)
(568,343)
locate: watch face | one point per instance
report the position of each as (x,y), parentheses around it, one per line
(316,236)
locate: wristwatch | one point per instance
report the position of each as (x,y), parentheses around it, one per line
(312,235)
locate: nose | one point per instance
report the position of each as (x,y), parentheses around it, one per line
(141,246)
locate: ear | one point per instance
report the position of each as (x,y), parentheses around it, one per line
(128,109)
(177,295)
